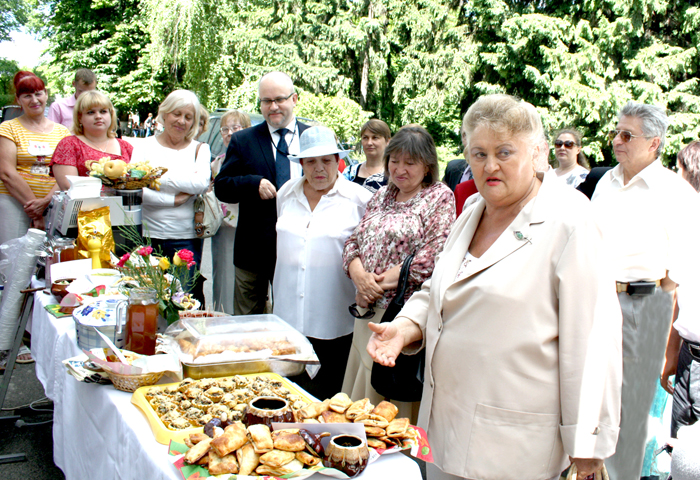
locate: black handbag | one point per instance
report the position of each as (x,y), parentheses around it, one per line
(403,381)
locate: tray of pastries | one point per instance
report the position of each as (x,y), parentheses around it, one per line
(224,346)
(177,410)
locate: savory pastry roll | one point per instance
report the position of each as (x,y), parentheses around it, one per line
(329,416)
(198,451)
(261,438)
(313,410)
(340,402)
(371,420)
(307,459)
(358,408)
(219,465)
(289,442)
(195,438)
(397,427)
(234,437)
(248,460)
(386,409)
(375,443)
(293,466)
(276,458)
(374,431)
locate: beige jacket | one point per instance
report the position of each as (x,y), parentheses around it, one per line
(523,359)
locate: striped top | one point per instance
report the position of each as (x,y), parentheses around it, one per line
(41,185)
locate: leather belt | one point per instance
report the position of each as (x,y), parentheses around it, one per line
(627,287)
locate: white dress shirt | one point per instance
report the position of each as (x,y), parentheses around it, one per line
(649,224)
(162,219)
(312,293)
(292,139)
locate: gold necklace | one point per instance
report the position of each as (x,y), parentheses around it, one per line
(93,145)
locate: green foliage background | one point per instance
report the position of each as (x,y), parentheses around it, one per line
(417,61)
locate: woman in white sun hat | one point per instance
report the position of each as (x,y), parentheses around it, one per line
(315,215)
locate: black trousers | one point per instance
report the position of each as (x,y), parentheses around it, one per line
(686,396)
(333,355)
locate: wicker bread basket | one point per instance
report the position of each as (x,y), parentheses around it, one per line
(130,383)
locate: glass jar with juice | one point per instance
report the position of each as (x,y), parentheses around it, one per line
(141,321)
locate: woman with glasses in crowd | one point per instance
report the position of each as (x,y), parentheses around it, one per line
(411,215)
(573,166)
(222,243)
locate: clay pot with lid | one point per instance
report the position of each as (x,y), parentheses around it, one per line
(267,410)
(347,453)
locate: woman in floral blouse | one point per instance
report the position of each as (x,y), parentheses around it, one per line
(411,215)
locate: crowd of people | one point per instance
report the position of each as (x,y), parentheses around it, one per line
(549,301)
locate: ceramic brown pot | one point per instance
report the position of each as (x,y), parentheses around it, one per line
(58,288)
(347,453)
(268,410)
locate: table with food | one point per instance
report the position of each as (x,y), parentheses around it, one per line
(145,383)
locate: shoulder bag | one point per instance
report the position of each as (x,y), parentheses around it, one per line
(208,215)
(403,381)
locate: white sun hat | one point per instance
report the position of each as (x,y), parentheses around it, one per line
(317,142)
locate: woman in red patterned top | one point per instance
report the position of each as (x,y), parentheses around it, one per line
(411,215)
(95,125)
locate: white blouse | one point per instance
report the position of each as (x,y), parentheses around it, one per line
(311,291)
(162,219)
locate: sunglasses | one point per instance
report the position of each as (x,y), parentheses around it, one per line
(356,313)
(565,144)
(625,136)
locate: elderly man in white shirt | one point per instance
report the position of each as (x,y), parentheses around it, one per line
(647,215)
(315,216)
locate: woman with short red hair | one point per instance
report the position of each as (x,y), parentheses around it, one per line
(26,146)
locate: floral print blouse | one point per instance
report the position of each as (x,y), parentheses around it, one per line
(390,231)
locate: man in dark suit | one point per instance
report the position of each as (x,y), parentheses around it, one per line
(255,168)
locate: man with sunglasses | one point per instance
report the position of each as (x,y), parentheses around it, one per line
(255,168)
(647,215)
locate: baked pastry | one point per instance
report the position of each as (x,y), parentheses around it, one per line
(313,410)
(234,437)
(374,431)
(358,408)
(329,416)
(397,427)
(261,438)
(386,409)
(307,459)
(289,442)
(375,443)
(219,465)
(276,458)
(293,466)
(340,402)
(198,451)
(248,460)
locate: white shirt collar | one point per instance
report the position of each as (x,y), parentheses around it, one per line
(649,175)
(291,126)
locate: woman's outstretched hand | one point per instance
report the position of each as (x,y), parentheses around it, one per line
(385,344)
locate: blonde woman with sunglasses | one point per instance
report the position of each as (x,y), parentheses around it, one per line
(573,166)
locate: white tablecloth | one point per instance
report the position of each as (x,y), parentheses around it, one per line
(98,433)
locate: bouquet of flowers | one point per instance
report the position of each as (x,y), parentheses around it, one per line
(170,278)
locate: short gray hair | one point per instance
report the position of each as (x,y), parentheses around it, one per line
(504,114)
(654,121)
(180,99)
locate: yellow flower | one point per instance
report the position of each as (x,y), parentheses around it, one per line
(164,264)
(178,261)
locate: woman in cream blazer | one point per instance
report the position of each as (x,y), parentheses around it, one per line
(520,322)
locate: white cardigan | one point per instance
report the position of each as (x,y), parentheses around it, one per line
(162,219)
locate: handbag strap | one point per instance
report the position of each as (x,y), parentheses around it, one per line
(403,281)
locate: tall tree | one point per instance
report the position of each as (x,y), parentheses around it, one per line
(13,14)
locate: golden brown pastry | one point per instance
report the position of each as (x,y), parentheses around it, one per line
(340,402)
(289,442)
(248,460)
(307,459)
(374,431)
(371,420)
(397,427)
(293,466)
(329,416)
(358,408)
(261,438)
(195,438)
(276,458)
(234,437)
(313,410)
(310,420)
(375,443)
(220,465)
(198,451)
(386,409)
